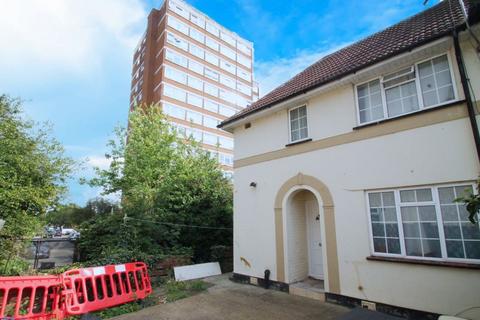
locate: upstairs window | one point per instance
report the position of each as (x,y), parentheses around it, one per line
(177,42)
(423,85)
(298,123)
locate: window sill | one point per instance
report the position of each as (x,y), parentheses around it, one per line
(450,264)
(409,114)
(298,142)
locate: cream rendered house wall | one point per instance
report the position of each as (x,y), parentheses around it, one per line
(442,152)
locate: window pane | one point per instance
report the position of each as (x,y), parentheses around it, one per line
(452,230)
(390,214)
(443,78)
(303,133)
(395,108)
(425,69)
(384,222)
(455,249)
(376,214)
(429,230)
(420,229)
(436,81)
(402,99)
(411,230)
(393,246)
(365,116)
(377,113)
(379,245)
(302,111)
(445,94)
(427,213)
(378,229)
(431,248)
(388,198)
(472,249)
(303,122)
(424,194)
(470,231)
(362,90)
(370,101)
(363,103)
(407,195)
(375,199)
(294,125)
(298,123)
(430,98)
(456,225)
(446,195)
(413,247)
(391,230)
(295,135)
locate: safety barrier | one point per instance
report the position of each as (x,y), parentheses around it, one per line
(32,297)
(74,292)
(90,289)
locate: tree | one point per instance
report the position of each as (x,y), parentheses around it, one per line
(472,204)
(168,184)
(33,173)
(72,215)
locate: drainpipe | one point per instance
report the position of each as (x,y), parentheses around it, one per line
(466,90)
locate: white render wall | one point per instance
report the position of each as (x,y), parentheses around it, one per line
(440,153)
(334,113)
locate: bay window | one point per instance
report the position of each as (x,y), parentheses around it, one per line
(423,223)
(423,85)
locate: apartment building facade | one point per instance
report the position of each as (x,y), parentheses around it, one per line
(199,72)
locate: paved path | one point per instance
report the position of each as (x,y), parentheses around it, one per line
(228,300)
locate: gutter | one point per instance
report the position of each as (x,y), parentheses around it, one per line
(466,90)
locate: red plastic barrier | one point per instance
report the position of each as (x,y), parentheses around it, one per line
(32,297)
(90,289)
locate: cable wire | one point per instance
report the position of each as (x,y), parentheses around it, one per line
(178,224)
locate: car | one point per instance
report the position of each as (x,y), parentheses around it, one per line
(68,231)
(74,235)
(49,231)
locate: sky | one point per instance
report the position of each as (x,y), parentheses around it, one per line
(70,61)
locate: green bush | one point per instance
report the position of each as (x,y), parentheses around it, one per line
(168,183)
(13,267)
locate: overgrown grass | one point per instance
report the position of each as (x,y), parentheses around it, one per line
(176,290)
(128,307)
(168,292)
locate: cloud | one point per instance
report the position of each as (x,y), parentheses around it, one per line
(66,35)
(100,162)
(272,73)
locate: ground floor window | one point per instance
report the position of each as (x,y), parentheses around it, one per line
(423,223)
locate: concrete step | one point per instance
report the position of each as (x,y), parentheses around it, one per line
(312,293)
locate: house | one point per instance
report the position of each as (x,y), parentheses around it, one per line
(347,173)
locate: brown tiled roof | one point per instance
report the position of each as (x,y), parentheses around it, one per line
(415,31)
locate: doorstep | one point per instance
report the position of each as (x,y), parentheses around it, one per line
(308,288)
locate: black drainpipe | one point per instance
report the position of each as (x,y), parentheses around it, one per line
(466,90)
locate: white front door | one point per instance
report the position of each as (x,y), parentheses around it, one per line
(314,239)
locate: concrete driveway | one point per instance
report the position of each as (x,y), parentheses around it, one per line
(228,300)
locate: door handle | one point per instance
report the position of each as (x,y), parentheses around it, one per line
(319,244)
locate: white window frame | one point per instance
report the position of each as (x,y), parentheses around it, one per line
(289,124)
(435,202)
(417,85)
